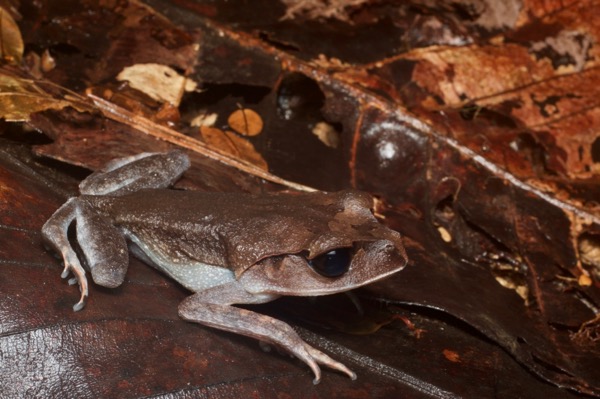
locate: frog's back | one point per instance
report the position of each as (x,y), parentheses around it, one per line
(233,230)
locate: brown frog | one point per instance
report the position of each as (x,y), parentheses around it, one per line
(227,248)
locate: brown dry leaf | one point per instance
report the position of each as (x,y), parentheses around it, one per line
(19,98)
(451,355)
(160,82)
(231,143)
(204,119)
(311,9)
(245,122)
(327,134)
(11,41)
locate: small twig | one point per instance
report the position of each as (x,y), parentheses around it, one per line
(122,115)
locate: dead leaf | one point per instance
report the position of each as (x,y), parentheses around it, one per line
(204,119)
(160,82)
(327,134)
(11,42)
(451,356)
(315,9)
(231,143)
(19,98)
(246,122)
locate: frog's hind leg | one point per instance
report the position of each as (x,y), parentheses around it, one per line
(102,245)
(129,174)
(55,234)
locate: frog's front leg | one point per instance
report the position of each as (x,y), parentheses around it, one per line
(137,172)
(102,245)
(212,308)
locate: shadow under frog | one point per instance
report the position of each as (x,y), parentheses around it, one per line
(227,248)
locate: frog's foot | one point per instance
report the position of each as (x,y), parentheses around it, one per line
(313,357)
(73,266)
(318,356)
(325,360)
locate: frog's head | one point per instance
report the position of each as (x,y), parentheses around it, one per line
(350,249)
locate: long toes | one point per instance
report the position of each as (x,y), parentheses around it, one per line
(82,300)
(317,372)
(325,360)
(79,305)
(79,278)
(306,356)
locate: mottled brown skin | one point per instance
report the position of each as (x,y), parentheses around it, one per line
(228,248)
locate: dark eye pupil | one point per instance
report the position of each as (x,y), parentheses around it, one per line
(332,264)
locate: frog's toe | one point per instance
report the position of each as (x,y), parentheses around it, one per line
(316,371)
(316,380)
(83,287)
(325,360)
(78,278)
(81,304)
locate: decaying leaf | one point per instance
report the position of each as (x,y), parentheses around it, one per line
(444,234)
(231,143)
(160,82)
(246,122)
(451,355)
(589,249)
(11,42)
(19,98)
(315,9)
(204,119)
(37,65)
(327,134)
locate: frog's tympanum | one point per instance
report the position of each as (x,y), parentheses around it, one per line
(227,248)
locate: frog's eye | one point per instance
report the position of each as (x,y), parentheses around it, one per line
(333,263)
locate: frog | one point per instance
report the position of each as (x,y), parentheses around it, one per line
(226,248)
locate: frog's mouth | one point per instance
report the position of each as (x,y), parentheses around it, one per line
(337,270)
